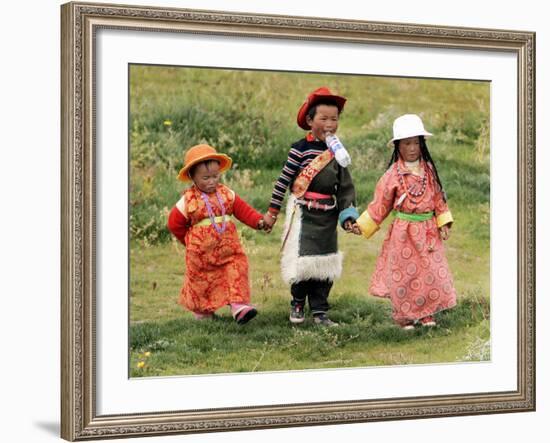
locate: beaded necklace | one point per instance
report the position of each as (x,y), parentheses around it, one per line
(409,190)
(219,230)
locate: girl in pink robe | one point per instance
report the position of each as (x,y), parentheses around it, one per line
(411,270)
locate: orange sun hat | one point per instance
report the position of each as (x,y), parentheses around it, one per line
(201,153)
(314,98)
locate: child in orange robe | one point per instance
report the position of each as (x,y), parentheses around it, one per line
(216,265)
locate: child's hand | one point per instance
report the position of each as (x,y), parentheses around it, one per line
(261,225)
(352,227)
(269,220)
(348,225)
(445,232)
(357,229)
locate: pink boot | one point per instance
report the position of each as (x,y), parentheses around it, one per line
(242,313)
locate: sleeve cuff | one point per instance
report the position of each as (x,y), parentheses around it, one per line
(367,225)
(350,212)
(444,218)
(181,205)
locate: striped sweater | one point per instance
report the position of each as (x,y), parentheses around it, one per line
(300,155)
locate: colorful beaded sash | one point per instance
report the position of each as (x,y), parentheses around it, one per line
(305,177)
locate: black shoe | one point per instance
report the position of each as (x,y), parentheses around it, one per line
(297,314)
(323,320)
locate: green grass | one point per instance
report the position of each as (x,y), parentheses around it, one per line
(245,115)
(178,344)
(182,346)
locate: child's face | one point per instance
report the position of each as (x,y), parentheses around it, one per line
(207,176)
(409,149)
(325,120)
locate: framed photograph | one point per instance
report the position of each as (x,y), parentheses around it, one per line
(142,85)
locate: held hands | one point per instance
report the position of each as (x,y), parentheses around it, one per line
(352,227)
(267,222)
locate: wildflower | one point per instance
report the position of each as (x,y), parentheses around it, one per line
(167,122)
(140,364)
(147,354)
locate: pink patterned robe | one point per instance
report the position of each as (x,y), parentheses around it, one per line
(412,269)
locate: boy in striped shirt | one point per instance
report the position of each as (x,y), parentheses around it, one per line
(310,259)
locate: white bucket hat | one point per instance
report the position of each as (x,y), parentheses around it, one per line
(408,125)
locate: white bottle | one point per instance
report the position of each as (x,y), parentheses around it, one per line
(340,153)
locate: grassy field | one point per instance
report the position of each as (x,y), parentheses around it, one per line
(242,114)
(177,344)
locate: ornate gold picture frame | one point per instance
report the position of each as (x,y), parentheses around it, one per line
(81,23)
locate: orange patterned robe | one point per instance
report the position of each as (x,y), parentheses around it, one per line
(412,269)
(216,265)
